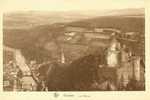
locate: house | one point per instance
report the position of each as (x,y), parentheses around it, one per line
(75,29)
(109,30)
(96,36)
(70,34)
(98,29)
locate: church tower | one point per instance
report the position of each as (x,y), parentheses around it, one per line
(62,57)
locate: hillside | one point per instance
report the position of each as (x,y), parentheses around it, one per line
(123,23)
(45,40)
(30,19)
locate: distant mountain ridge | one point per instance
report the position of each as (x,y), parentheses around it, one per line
(127,12)
(29,19)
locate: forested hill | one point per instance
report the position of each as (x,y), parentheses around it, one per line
(39,39)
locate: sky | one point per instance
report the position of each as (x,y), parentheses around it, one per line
(68,5)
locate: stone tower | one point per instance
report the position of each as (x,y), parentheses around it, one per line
(113,53)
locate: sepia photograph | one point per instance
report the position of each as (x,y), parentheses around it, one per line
(74,46)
